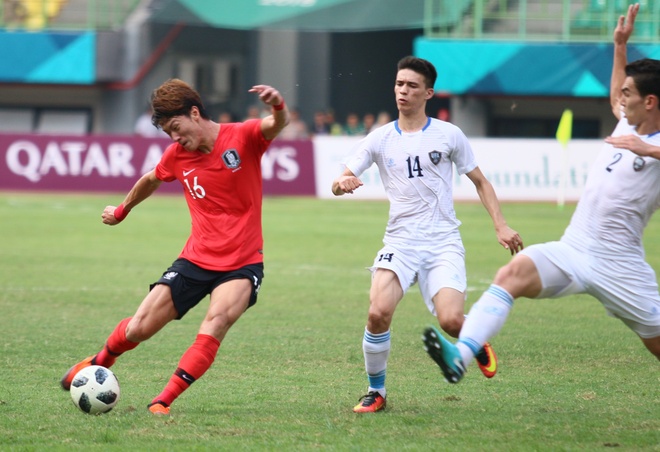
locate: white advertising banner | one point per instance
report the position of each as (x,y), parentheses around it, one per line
(330,155)
(519,169)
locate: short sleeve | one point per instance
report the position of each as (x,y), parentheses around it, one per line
(462,154)
(165,167)
(362,157)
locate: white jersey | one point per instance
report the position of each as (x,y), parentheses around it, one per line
(417,173)
(620,196)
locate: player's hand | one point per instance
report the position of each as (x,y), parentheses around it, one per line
(347,184)
(108,216)
(267,94)
(510,240)
(631,142)
(625,25)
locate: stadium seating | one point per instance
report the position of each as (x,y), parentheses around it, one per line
(584,20)
(31,14)
(599,16)
(445,14)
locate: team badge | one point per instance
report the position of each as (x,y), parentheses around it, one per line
(231,158)
(435,157)
(638,163)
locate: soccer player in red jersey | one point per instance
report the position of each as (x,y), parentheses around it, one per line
(219,168)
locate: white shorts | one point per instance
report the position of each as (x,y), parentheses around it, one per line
(626,286)
(434,267)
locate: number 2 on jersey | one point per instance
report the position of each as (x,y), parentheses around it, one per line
(616,159)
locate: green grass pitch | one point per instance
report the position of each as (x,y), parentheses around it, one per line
(291,369)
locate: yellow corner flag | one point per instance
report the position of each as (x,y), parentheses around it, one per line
(565,129)
(564,132)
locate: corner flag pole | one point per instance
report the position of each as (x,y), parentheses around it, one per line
(564,132)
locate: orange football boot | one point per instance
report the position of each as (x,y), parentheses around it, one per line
(159,408)
(487,361)
(68,376)
(370,403)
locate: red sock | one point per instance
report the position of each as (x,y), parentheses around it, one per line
(115,345)
(194,363)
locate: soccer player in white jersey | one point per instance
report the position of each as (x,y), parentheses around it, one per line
(422,243)
(601,251)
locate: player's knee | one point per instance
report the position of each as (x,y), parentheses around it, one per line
(452,325)
(519,277)
(508,272)
(137,331)
(218,325)
(133,334)
(378,319)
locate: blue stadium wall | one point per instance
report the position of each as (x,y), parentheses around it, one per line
(48,58)
(527,69)
(464,67)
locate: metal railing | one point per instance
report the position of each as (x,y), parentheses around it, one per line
(35,15)
(542,20)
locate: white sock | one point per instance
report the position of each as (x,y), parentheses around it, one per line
(484,321)
(376,348)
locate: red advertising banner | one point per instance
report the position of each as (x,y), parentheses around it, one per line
(112,163)
(288,168)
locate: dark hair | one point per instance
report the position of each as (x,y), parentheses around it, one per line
(174,98)
(646,75)
(420,66)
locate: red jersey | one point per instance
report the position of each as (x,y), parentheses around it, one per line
(223,190)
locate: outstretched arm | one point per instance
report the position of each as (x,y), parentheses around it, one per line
(142,189)
(272,125)
(506,236)
(634,144)
(622,32)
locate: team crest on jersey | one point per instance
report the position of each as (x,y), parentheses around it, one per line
(638,163)
(231,158)
(435,157)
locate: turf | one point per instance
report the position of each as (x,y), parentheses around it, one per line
(291,369)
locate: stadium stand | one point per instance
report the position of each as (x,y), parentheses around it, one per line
(31,14)
(584,20)
(34,15)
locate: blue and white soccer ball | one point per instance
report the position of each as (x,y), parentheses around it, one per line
(95,390)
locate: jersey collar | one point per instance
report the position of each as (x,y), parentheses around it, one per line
(399,131)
